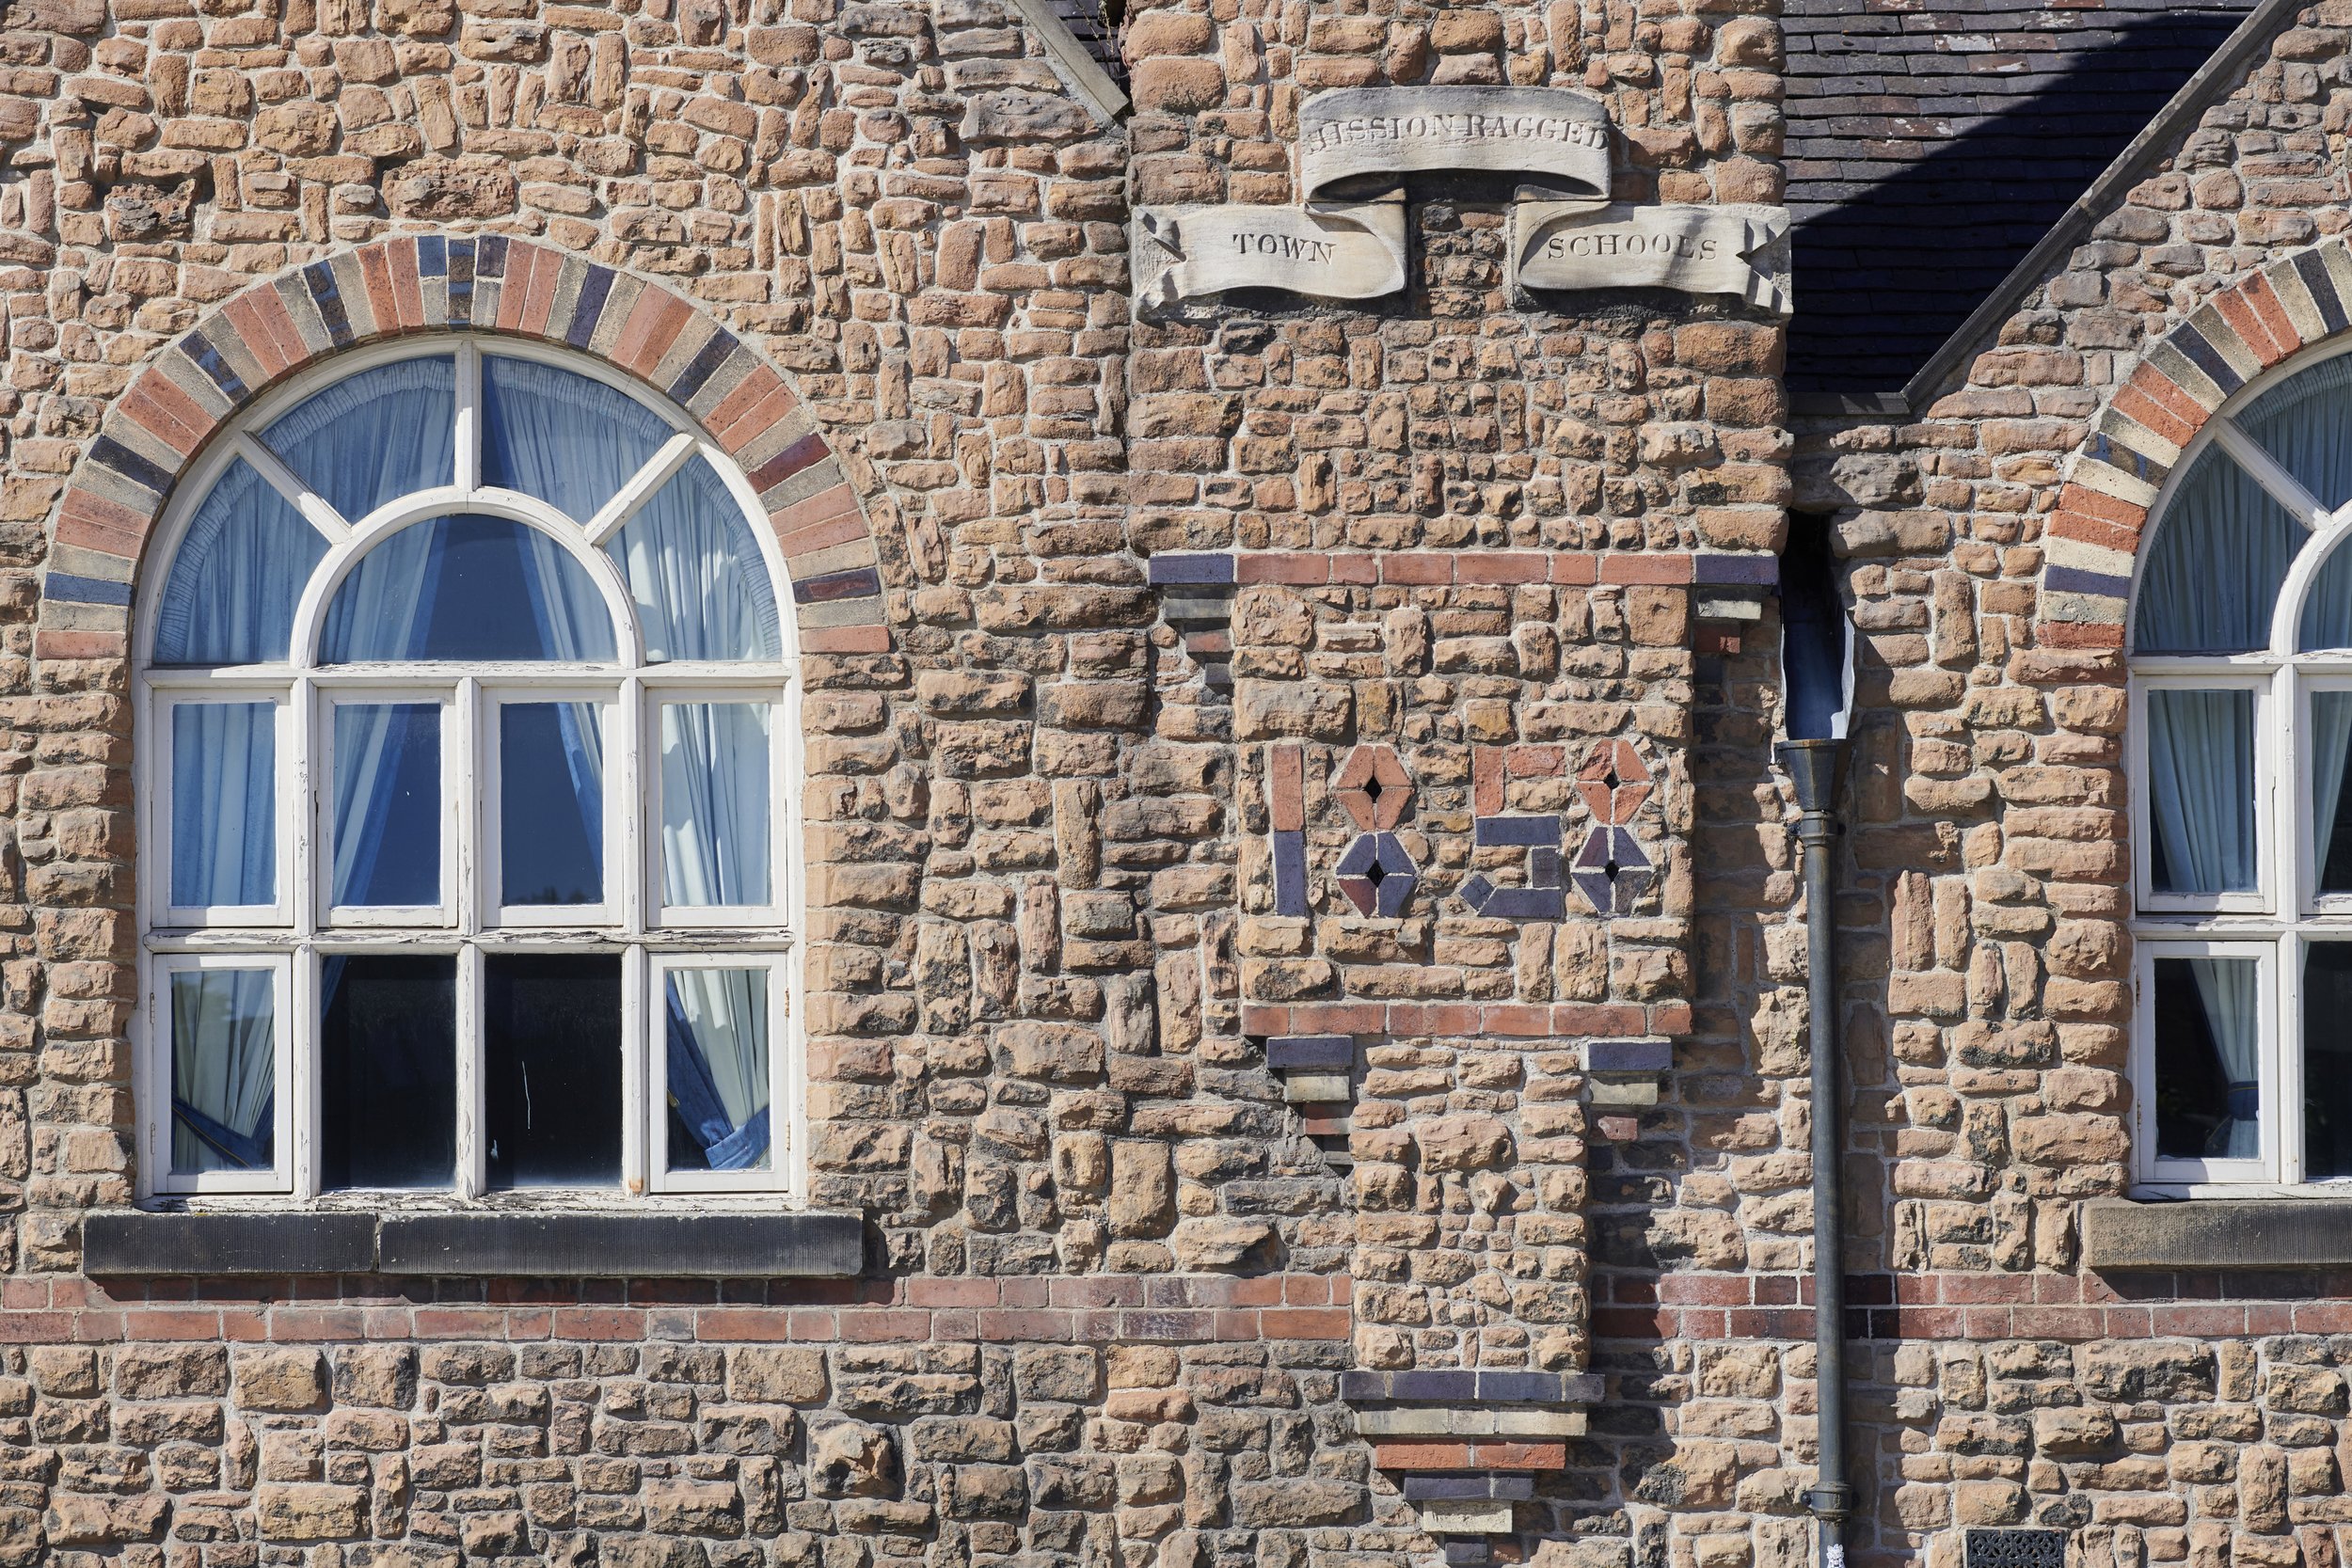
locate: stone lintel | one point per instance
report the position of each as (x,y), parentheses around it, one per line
(2218,1233)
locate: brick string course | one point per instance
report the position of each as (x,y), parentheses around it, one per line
(1114,1279)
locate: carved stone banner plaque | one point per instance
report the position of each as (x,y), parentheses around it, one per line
(1697,250)
(1557,134)
(1333,250)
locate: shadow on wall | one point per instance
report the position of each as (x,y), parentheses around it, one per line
(1893,266)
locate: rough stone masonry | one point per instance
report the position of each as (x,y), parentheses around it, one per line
(1305,986)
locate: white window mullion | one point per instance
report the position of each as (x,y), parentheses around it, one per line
(2272,475)
(638,1104)
(466,809)
(663,467)
(469,441)
(306,1076)
(2282,1062)
(473,1169)
(313,506)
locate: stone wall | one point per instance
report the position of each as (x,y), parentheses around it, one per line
(1211,1214)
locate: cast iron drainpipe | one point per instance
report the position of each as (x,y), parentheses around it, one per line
(1817,769)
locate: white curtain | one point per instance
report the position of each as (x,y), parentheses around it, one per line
(701,586)
(2331,748)
(224,804)
(716,1030)
(714,804)
(2227,987)
(383,610)
(375,436)
(238,573)
(2216,564)
(2201,784)
(2328,606)
(223,1061)
(2301,423)
(568,440)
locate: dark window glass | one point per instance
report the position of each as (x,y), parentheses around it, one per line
(551,1048)
(2328,1061)
(467,587)
(387,1048)
(550,804)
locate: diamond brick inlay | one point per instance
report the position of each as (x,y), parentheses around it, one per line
(1377,875)
(1373,788)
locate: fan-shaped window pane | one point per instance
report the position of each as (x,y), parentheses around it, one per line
(2302,422)
(2215,563)
(375,436)
(467,588)
(2327,621)
(238,574)
(701,588)
(568,440)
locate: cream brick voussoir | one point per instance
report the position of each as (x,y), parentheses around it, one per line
(1697,250)
(1558,134)
(1333,250)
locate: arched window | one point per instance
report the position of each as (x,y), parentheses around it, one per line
(466,723)
(2241,732)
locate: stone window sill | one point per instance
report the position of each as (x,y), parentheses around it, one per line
(770,1245)
(2218,1233)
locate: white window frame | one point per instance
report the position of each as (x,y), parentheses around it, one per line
(617,787)
(154,1085)
(2224,676)
(2280,923)
(284,810)
(296,935)
(783,1088)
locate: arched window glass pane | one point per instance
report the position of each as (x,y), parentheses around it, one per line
(2327,607)
(375,436)
(237,576)
(2302,421)
(701,588)
(452,588)
(2215,563)
(568,440)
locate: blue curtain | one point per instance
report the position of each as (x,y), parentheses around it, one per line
(714,804)
(2200,789)
(701,585)
(717,1065)
(375,436)
(2301,423)
(224,804)
(2215,563)
(568,440)
(236,578)
(223,1061)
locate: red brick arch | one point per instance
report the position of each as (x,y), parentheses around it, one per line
(2092,539)
(491,286)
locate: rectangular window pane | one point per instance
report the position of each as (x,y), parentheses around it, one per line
(551,1048)
(550,804)
(715,1055)
(2328,1061)
(714,804)
(224,1070)
(2201,791)
(2332,807)
(2208,1023)
(224,804)
(388,804)
(387,1061)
